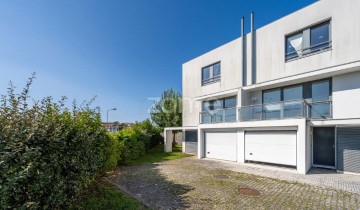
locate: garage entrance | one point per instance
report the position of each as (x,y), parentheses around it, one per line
(221,145)
(348,149)
(276,147)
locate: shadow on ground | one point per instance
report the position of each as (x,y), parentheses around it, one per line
(149,185)
(317,171)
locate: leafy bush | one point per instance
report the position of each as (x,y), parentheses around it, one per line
(151,134)
(113,151)
(135,140)
(49,153)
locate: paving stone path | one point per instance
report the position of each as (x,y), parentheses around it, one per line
(190,183)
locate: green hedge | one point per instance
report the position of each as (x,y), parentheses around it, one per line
(136,140)
(48,153)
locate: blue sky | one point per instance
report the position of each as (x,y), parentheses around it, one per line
(124,51)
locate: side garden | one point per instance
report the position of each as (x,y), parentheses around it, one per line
(53,157)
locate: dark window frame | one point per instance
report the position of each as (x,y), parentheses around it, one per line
(307,51)
(273,89)
(328,41)
(286,44)
(211,79)
(306,89)
(223,103)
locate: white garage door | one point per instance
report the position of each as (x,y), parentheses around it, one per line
(277,147)
(220,145)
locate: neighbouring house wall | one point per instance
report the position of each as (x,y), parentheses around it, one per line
(346,96)
(345,33)
(231,77)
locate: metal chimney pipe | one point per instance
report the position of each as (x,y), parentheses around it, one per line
(252,21)
(243,53)
(253,49)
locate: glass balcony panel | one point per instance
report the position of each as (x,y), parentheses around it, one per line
(251,113)
(272,111)
(293,109)
(230,115)
(217,116)
(205,117)
(320,109)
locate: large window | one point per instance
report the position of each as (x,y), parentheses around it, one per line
(271,96)
(272,107)
(288,101)
(307,41)
(223,103)
(211,73)
(219,110)
(294,45)
(320,92)
(319,37)
(293,106)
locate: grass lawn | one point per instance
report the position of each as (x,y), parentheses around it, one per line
(157,154)
(104,195)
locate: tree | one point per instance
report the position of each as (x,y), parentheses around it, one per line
(167,111)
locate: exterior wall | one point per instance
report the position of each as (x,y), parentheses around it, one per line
(341,63)
(168,140)
(201,142)
(269,59)
(270,40)
(254,97)
(346,96)
(241,146)
(308,147)
(231,77)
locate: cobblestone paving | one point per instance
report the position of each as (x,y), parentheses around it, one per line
(189,184)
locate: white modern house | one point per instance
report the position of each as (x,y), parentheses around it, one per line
(286,94)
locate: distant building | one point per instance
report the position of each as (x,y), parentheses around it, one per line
(116,126)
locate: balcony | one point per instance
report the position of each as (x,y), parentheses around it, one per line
(270,111)
(217,116)
(287,109)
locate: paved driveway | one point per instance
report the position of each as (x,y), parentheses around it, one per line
(190,183)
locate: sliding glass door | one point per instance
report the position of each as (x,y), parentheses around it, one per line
(320,107)
(272,107)
(293,105)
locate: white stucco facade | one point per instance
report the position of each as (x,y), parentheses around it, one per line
(265,67)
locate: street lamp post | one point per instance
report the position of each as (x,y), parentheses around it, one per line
(107,114)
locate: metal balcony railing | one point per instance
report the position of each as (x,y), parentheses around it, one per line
(270,111)
(307,51)
(286,109)
(211,80)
